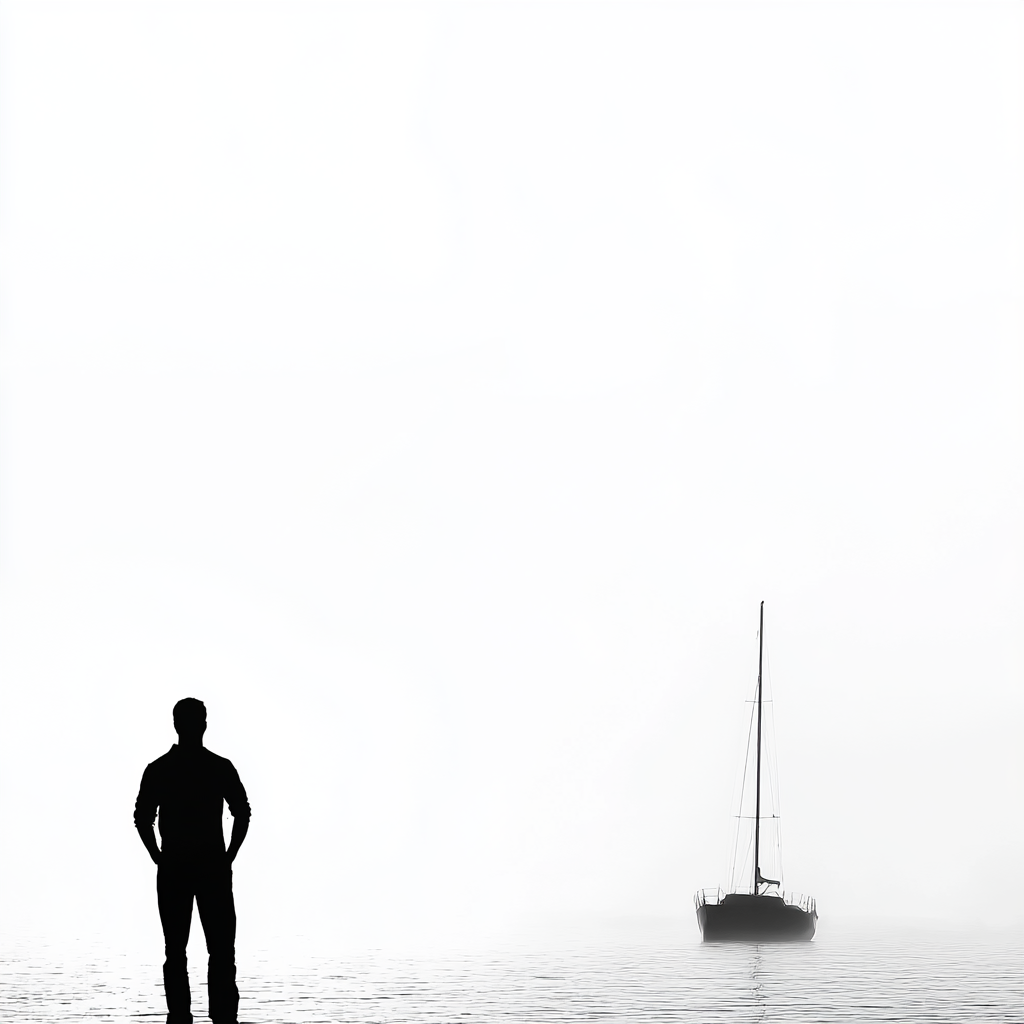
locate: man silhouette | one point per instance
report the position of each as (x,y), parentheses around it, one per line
(189,785)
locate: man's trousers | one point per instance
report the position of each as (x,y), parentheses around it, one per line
(209,883)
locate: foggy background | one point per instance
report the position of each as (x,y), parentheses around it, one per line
(436,391)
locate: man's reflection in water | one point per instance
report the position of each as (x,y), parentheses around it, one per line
(188,786)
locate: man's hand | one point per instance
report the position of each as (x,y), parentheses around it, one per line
(238,829)
(148,838)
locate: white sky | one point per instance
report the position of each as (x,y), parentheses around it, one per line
(435,391)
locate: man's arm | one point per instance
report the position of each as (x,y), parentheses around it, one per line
(145,814)
(238,805)
(238,829)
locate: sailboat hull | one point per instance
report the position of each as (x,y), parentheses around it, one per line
(743,917)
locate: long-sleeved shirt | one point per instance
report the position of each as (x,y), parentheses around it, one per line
(189,786)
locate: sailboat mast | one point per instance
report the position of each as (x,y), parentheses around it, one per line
(757,810)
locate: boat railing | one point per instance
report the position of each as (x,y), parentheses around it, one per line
(712,897)
(798,899)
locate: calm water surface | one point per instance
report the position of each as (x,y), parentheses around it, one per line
(907,980)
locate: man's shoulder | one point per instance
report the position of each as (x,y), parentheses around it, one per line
(162,761)
(221,763)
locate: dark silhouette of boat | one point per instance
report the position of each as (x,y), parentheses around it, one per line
(765,913)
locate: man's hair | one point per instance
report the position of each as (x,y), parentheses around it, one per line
(188,712)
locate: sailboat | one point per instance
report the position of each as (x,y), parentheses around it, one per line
(764,913)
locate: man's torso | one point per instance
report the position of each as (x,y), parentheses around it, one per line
(189,787)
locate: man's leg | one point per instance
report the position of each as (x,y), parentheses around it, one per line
(217,912)
(174,898)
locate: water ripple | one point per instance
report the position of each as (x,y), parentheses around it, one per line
(826,981)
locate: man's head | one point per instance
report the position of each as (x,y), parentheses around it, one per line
(190,721)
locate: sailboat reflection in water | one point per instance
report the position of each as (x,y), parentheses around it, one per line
(756,909)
